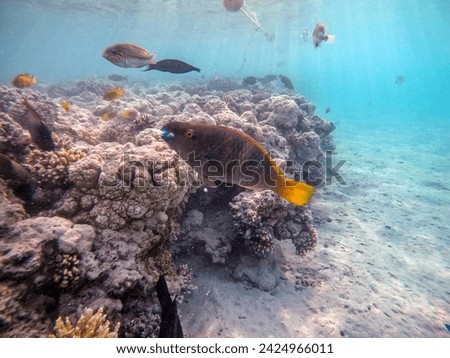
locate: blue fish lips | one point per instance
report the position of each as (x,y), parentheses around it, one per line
(166,134)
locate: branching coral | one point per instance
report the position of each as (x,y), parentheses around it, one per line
(89,325)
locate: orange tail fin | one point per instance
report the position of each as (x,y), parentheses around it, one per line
(295,192)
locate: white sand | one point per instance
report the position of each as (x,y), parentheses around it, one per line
(382,264)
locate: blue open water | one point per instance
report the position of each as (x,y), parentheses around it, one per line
(375,41)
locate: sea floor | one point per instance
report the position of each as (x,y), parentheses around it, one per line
(381,267)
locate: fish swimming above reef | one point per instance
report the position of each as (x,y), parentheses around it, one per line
(172,66)
(19,179)
(287,82)
(319,35)
(305,35)
(128,55)
(249,81)
(117,78)
(170,326)
(24,80)
(113,93)
(231,156)
(40,134)
(399,80)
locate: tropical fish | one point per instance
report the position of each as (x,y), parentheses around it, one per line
(128,55)
(268,78)
(327,110)
(172,66)
(170,326)
(129,113)
(19,179)
(114,93)
(24,80)
(319,35)
(287,82)
(249,81)
(117,78)
(305,35)
(65,105)
(108,116)
(231,156)
(40,134)
(399,80)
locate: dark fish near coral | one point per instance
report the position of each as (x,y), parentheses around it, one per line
(40,134)
(327,110)
(319,35)
(447,327)
(128,55)
(231,156)
(287,82)
(172,66)
(114,93)
(249,81)
(117,78)
(268,78)
(19,179)
(170,326)
(24,80)
(399,80)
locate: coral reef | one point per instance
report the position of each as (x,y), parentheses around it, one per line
(115,207)
(90,325)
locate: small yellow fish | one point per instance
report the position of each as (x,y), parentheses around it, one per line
(107,116)
(65,105)
(129,113)
(24,80)
(113,94)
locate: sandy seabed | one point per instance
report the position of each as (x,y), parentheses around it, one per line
(381,266)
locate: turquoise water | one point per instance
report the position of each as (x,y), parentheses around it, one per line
(60,40)
(394,137)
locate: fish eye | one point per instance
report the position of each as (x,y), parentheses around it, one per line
(189,133)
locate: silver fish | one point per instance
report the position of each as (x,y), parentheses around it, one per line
(128,55)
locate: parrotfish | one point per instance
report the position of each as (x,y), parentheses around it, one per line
(319,35)
(172,66)
(128,55)
(24,80)
(231,156)
(18,177)
(40,134)
(287,82)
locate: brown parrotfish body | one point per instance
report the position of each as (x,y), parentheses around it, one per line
(231,156)
(40,134)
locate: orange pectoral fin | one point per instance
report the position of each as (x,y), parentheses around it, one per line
(295,192)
